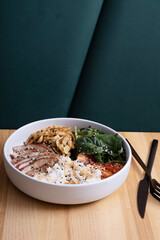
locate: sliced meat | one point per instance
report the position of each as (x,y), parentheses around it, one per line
(30,157)
(33,147)
(41,169)
(23,157)
(14,155)
(33,158)
(38,164)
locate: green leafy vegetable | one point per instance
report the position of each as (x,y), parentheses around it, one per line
(104,147)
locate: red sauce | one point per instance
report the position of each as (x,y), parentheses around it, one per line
(107,169)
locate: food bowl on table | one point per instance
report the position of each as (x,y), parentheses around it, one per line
(63,193)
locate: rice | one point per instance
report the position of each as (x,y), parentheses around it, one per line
(67,171)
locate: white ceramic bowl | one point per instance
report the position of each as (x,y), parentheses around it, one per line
(61,193)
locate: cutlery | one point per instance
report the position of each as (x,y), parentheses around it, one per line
(144,184)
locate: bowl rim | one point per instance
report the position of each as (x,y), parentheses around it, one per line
(62,184)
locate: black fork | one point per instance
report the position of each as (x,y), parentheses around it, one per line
(154,184)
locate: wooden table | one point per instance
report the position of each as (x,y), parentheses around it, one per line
(114,217)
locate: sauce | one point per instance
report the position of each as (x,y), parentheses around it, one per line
(107,169)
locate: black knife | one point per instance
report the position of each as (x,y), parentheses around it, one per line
(144,183)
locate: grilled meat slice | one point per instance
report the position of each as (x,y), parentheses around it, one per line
(33,147)
(32,158)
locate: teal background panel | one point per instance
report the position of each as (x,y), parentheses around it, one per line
(120,82)
(43,45)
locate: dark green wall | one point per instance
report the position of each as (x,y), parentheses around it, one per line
(120,81)
(66,58)
(43,46)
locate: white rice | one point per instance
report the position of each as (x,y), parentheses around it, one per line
(67,171)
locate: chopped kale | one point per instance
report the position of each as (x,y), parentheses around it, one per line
(104,147)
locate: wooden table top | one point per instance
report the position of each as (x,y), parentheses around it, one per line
(114,217)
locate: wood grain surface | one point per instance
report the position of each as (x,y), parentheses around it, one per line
(114,217)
